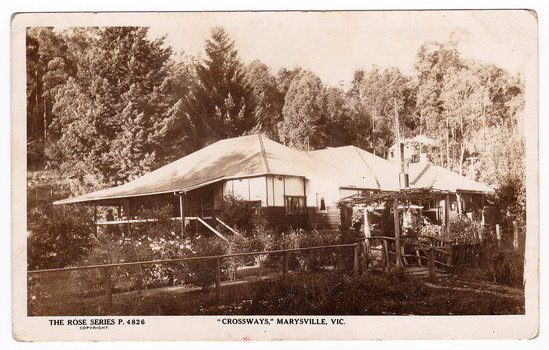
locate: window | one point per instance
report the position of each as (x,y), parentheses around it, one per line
(295,205)
(321,203)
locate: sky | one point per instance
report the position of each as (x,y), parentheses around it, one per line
(334,44)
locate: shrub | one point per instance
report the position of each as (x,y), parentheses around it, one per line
(242,215)
(64,234)
(311,259)
(162,226)
(332,293)
(462,227)
(429,229)
(203,272)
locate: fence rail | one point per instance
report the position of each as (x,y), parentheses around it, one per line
(361,259)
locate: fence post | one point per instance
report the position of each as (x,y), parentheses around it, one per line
(356,265)
(515,236)
(284,264)
(108,289)
(218,280)
(450,256)
(365,256)
(396,219)
(498,234)
(387,264)
(432,271)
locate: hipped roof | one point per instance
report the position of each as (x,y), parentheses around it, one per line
(256,155)
(240,157)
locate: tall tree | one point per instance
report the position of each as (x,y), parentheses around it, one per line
(360,121)
(268,98)
(433,61)
(340,127)
(109,119)
(304,123)
(379,92)
(221,103)
(49,65)
(284,78)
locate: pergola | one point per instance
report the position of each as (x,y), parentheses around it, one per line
(404,196)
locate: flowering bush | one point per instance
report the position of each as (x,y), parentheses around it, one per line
(429,229)
(462,227)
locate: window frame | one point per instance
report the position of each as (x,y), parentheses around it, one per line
(302,210)
(319,198)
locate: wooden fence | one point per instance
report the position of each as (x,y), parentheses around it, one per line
(423,250)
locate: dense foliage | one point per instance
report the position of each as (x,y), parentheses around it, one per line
(64,235)
(110,103)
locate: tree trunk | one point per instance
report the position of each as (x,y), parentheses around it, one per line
(45,121)
(461,158)
(484,128)
(447,141)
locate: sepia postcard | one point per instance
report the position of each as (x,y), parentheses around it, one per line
(293,175)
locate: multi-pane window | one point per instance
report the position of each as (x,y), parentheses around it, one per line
(295,204)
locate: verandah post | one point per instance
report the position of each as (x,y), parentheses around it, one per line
(182,213)
(397,233)
(128,214)
(95,218)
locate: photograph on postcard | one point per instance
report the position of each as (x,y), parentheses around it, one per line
(300,168)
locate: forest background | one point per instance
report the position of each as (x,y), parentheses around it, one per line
(106,105)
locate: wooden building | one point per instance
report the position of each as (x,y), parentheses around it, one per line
(292,188)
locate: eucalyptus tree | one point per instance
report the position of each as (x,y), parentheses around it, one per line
(304,111)
(268,98)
